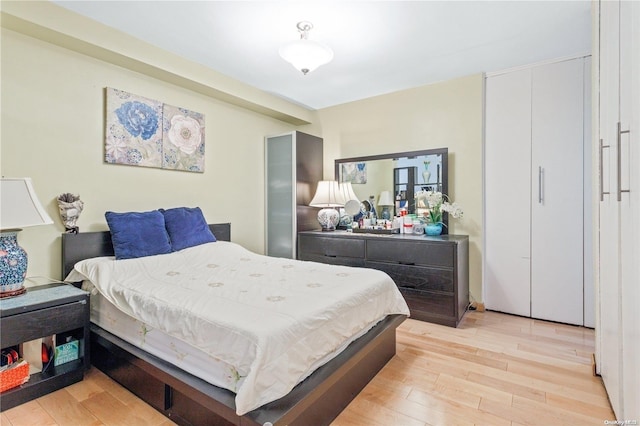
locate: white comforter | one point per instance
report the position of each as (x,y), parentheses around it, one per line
(272,319)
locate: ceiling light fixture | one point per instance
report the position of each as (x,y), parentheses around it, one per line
(304,54)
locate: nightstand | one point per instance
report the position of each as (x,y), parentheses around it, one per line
(43,311)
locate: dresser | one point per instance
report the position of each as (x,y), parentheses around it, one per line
(432,273)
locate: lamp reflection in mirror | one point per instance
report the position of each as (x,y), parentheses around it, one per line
(304,54)
(328,196)
(352,206)
(385,201)
(20,208)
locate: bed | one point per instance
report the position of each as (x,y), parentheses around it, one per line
(181,393)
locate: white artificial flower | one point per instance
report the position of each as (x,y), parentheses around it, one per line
(437,203)
(453,209)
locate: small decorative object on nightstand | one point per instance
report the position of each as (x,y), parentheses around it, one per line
(328,196)
(70,207)
(20,208)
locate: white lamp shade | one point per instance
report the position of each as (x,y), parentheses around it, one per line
(347,192)
(20,207)
(385,199)
(306,55)
(328,194)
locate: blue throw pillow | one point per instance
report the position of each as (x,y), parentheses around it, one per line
(138,234)
(187,227)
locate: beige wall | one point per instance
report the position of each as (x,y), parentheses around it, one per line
(447,114)
(53,132)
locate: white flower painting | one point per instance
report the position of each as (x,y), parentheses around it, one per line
(144,132)
(183,139)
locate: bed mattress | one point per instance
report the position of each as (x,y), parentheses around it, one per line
(266,322)
(160,344)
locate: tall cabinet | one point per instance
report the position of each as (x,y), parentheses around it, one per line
(537,125)
(617,147)
(293,169)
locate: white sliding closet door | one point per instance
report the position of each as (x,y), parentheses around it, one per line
(630,205)
(609,212)
(557,148)
(534,192)
(618,333)
(507,192)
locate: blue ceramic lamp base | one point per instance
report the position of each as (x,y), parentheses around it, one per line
(13,264)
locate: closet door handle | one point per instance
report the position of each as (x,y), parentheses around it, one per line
(620,133)
(601,171)
(540,185)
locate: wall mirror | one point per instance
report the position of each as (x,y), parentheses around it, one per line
(400,175)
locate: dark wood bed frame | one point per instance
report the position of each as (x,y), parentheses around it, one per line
(188,400)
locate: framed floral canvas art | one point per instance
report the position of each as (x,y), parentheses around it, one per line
(182,139)
(145,132)
(354,172)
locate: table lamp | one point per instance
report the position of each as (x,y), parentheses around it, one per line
(328,196)
(385,201)
(19,208)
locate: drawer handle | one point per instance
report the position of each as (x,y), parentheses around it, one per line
(406,263)
(330,255)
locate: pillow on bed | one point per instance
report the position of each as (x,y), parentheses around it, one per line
(138,234)
(187,227)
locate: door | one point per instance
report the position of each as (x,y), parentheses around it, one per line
(507,193)
(557,269)
(629,201)
(280,196)
(609,214)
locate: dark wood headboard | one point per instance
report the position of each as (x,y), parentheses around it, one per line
(85,245)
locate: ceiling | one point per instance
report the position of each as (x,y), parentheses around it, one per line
(379,46)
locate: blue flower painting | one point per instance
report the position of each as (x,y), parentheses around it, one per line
(354,172)
(145,132)
(138,119)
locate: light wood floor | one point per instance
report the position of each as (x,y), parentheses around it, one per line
(494,369)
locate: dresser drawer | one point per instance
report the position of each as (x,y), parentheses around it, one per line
(332,260)
(417,277)
(43,322)
(330,247)
(411,252)
(429,303)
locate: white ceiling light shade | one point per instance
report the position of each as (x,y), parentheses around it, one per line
(304,54)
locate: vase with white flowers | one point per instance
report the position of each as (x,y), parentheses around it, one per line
(437,203)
